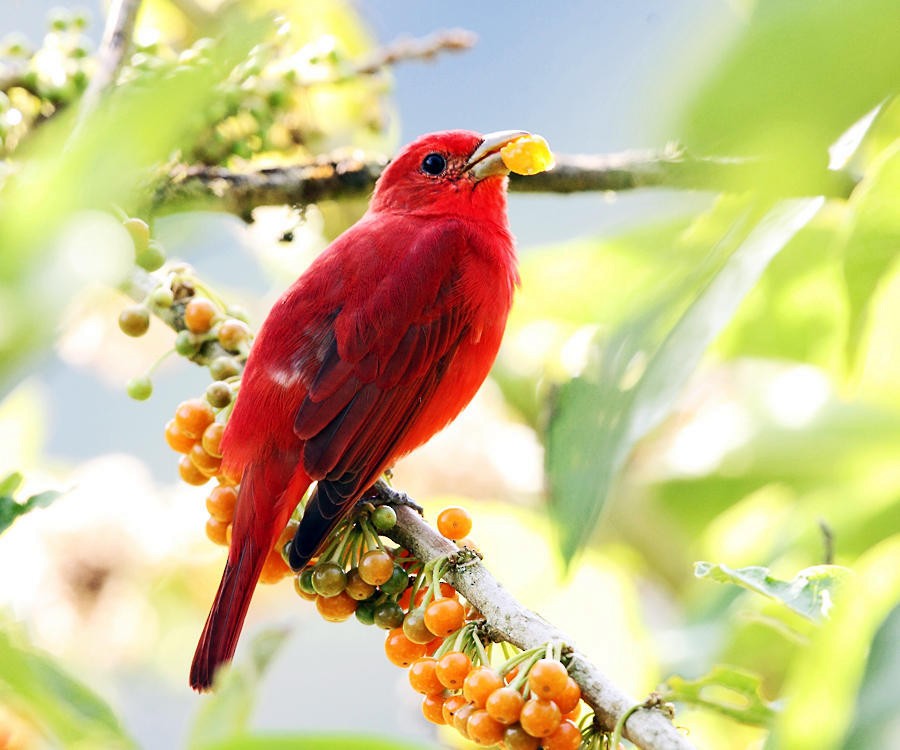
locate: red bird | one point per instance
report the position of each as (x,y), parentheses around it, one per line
(377,346)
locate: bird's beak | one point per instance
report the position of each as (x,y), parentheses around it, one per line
(485,160)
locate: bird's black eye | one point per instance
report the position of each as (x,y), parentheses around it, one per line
(434,164)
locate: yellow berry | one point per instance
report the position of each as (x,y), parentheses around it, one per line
(529,154)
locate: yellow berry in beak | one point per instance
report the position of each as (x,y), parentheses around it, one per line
(529,154)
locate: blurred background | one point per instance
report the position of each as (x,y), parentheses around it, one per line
(773,424)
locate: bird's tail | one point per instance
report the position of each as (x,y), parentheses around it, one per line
(262,511)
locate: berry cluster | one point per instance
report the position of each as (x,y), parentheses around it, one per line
(207,327)
(38,82)
(528,702)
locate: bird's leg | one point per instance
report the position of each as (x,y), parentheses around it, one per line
(381,493)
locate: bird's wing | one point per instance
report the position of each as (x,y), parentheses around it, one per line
(381,365)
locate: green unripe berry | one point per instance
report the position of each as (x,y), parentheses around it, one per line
(398,581)
(218,395)
(139,231)
(134,320)
(305,581)
(186,345)
(388,615)
(222,368)
(384,518)
(140,389)
(163,297)
(328,579)
(151,257)
(365,612)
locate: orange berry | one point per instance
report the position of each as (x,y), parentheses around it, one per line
(212,439)
(215,531)
(566,737)
(422,676)
(228,534)
(483,730)
(193,417)
(199,314)
(286,535)
(433,708)
(357,588)
(232,333)
(335,608)
(505,705)
(567,699)
(178,440)
(203,461)
(310,597)
(433,646)
(220,503)
(376,567)
(444,616)
(415,628)
(452,704)
(400,650)
(454,522)
(190,473)
(274,568)
(461,719)
(547,678)
(480,683)
(516,738)
(540,717)
(452,669)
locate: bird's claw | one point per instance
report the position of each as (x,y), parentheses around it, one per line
(383,494)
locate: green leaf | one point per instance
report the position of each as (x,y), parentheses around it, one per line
(810,593)
(726,690)
(318,741)
(33,683)
(225,714)
(871,241)
(877,708)
(10,510)
(821,687)
(10,484)
(801,73)
(599,417)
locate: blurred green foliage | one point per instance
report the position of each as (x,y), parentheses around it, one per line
(720,386)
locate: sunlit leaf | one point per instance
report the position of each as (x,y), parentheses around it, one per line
(726,690)
(599,417)
(872,240)
(11,509)
(66,709)
(810,593)
(801,74)
(820,689)
(225,714)
(877,708)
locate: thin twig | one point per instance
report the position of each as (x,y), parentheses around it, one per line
(115,43)
(334,178)
(425,48)
(646,728)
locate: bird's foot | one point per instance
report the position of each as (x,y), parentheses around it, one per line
(381,493)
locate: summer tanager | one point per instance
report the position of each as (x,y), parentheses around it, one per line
(377,346)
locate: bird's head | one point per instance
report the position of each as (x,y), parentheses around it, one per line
(451,172)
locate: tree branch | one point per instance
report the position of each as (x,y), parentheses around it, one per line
(116,40)
(647,729)
(335,178)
